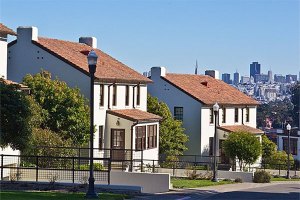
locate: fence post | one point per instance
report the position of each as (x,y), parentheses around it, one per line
(37,169)
(109,170)
(142,161)
(153,167)
(73,170)
(1,167)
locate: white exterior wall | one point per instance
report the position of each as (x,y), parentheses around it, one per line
(174,97)
(3,59)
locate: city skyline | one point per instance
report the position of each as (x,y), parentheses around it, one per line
(224,36)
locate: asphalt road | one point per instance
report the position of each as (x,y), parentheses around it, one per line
(274,191)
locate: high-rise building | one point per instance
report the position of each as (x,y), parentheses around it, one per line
(236,78)
(290,78)
(226,78)
(212,73)
(263,78)
(254,69)
(245,79)
(279,78)
(270,76)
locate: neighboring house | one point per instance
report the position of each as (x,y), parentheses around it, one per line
(191,99)
(120,102)
(4,32)
(282,142)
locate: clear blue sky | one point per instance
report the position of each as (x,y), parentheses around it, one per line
(221,34)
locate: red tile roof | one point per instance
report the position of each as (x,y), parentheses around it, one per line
(135,115)
(74,53)
(5,30)
(209,90)
(9,82)
(235,128)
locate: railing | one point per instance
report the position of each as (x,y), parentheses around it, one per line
(53,168)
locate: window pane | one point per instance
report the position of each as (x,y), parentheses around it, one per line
(178,113)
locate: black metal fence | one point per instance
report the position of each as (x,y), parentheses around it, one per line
(53,169)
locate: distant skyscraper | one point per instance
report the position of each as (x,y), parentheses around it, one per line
(290,78)
(236,78)
(278,78)
(245,79)
(270,76)
(262,78)
(212,73)
(254,69)
(226,78)
(196,68)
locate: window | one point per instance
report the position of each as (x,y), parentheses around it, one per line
(293,145)
(211,116)
(101,95)
(138,95)
(247,115)
(211,145)
(152,136)
(127,95)
(223,115)
(114,95)
(100,137)
(236,115)
(178,113)
(140,137)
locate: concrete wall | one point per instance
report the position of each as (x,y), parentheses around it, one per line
(245,176)
(150,183)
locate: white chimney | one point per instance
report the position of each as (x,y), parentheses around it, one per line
(91,41)
(158,71)
(27,33)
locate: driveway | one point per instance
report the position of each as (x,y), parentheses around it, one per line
(242,191)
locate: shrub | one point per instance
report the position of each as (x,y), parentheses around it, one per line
(226,179)
(276,176)
(295,177)
(238,180)
(261,177)
(97,167)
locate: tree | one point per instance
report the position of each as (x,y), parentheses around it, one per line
(244,146)
(269,148)
(295,90)
(64,109)
(172,138)
(279,160)
(15,116)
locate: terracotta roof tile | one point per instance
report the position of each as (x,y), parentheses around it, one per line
(135,115)
(5,30)
(75,54)
(235,128)
(209,90)
(9,82)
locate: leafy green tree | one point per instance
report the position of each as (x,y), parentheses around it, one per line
(244,146)
(295,90)
(50,140)
(64,109)
(172,138)
(15,116)
(269,148)
(279,160)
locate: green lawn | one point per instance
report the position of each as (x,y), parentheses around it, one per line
(284,179)
(16,195)
(187,183)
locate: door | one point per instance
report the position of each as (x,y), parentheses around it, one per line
(117,144)
(223,158)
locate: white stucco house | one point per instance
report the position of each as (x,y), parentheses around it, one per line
(120,103)
(190,98)
(282,142)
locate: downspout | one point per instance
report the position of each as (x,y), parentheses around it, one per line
(133,97)
(131,160)
(109,95)
(242,116)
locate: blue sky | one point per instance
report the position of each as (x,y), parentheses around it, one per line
(226,35)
